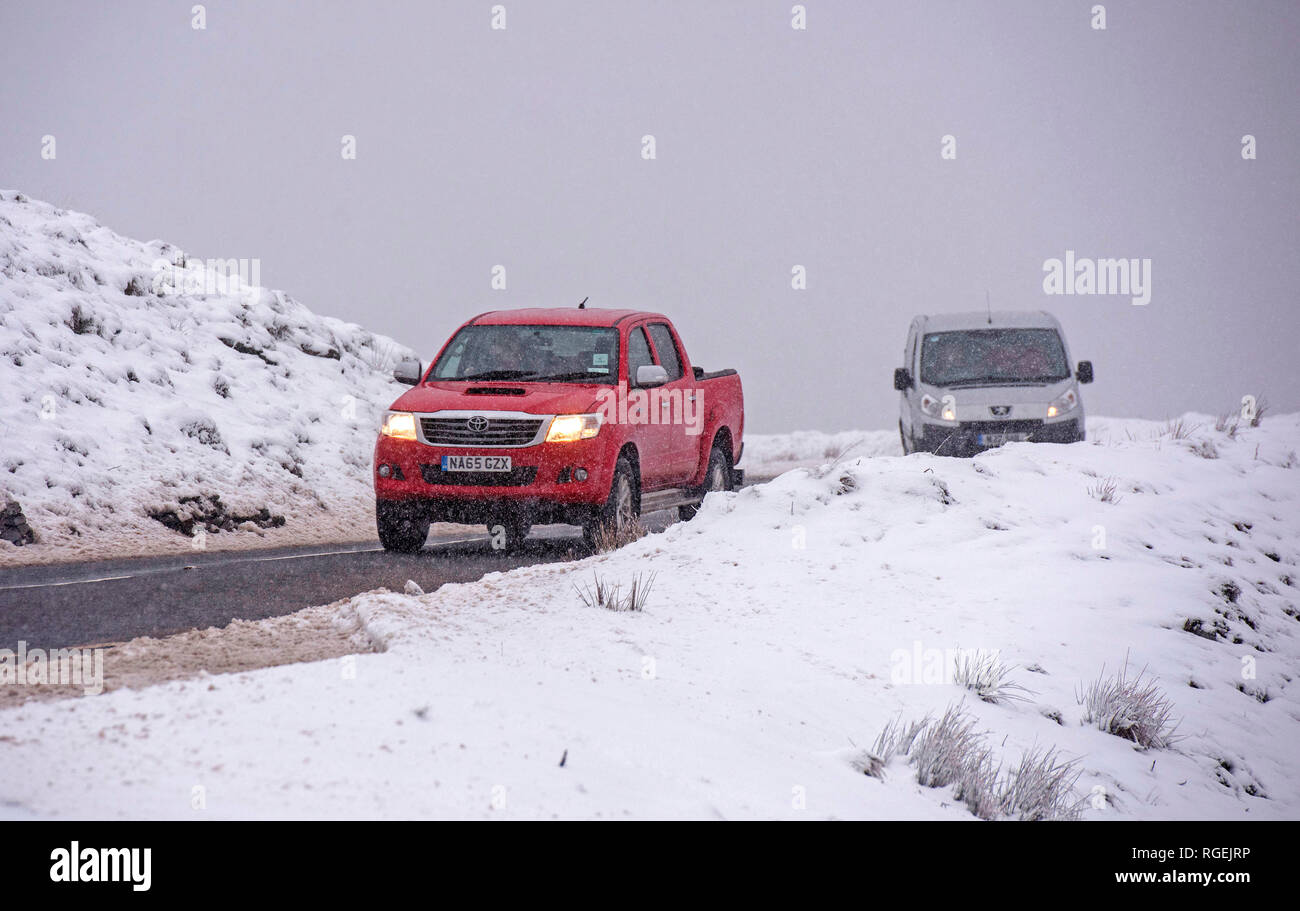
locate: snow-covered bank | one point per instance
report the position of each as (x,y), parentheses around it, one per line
(787,625)
(139,386)
(770,454)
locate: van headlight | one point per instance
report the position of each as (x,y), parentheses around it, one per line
(400,425)
(569,428)
(937,409)
(1067,401)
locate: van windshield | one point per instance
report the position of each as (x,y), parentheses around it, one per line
(977,356)
(535,354)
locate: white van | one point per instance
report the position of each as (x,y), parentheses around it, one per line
(977,380)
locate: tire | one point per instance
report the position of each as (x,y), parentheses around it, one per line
(903,438)
(512,534)
(623,506)
(716,477)
(401,528)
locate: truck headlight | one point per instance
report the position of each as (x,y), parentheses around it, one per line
(937,409)
(400,425)
(569,428)
(1068,401)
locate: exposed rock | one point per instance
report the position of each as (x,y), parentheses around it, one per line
(13,525)
(211,515)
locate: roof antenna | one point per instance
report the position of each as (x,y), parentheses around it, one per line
(988,306)
(583,305)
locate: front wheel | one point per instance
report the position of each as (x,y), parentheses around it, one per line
(615,522)
(718,477)
(401,527)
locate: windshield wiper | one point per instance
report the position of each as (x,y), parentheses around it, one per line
(573,375)
(972,381)
(998,381)
(499,375)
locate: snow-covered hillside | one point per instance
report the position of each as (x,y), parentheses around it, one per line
(787,626)
(142,388)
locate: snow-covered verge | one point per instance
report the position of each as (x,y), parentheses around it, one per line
(770,454)
(312,634)
(787,625)
(140,384)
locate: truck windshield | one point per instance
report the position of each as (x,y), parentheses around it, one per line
(993,356)
(537,354)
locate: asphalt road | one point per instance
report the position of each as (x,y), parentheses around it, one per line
(105,601)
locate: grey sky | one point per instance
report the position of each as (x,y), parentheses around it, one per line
(775,147)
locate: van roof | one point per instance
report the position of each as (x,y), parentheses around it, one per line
(558,316)
(981,319)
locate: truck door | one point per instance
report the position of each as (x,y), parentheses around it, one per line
(679,399)
(642,412)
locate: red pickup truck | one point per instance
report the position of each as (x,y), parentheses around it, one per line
(581,416)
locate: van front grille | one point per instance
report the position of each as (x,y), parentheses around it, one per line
(1001,426)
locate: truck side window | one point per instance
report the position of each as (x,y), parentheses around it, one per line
(666,348)
(638,353)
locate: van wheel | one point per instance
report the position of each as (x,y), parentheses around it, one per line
(508,534)
(907,450)
(621,511)
(718,477)
(401,527)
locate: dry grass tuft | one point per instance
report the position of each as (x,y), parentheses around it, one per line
(600,593)
(1132,708)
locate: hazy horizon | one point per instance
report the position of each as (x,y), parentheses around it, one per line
(775,147)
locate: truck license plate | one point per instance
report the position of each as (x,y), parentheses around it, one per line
(475,463)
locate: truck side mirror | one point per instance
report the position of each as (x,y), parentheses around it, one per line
(902,379)
(651,375)
(408,371)
(1084,373)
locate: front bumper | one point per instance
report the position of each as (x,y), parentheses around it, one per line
(542,486)
(964,439)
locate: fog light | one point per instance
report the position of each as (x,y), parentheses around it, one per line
(385,471)
(580,474)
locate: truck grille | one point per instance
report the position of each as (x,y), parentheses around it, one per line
(498,432)
(518,477)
